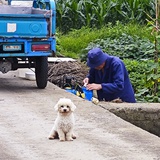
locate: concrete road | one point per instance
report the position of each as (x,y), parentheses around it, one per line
(27,115)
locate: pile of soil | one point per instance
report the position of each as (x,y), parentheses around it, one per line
(58,71)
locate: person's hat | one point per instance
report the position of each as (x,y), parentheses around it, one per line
(96,57)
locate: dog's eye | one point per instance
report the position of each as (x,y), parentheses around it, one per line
(67,106)
(62,106)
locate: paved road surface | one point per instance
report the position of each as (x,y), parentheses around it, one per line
(27,115)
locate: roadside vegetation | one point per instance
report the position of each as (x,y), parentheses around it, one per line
(126,29)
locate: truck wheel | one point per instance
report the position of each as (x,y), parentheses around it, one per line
(41,70)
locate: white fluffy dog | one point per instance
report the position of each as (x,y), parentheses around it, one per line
(64,123)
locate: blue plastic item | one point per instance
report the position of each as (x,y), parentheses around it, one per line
(71,91)
(88,93)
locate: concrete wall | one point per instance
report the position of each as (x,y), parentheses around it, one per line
(143,115)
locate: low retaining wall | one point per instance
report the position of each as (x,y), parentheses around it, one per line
(143,115)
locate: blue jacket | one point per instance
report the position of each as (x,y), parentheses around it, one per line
(114,80)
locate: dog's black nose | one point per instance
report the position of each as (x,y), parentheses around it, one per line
(64,110)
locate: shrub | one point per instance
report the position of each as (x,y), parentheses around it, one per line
(125,46)
(142,76)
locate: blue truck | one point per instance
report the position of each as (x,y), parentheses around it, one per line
(27,37)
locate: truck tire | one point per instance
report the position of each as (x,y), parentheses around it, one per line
(41,71)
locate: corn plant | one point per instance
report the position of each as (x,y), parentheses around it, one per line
(98,13)
(74,13)
(62,11)
(102,10)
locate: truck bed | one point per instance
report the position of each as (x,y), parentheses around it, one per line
(27,22)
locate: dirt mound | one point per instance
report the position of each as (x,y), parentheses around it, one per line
(74,69)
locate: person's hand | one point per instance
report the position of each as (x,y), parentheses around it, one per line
(85,81)
(94,86)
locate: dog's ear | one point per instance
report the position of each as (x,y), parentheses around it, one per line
(73,107)
(56,107)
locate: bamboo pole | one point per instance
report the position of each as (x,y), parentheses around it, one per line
(157,4)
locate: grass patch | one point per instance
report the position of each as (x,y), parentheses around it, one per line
(73,43)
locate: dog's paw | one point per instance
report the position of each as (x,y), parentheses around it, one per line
(69,139)
(61,140)
(74,136)
(51,137)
